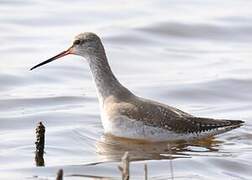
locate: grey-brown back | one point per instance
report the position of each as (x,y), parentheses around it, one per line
(159,115)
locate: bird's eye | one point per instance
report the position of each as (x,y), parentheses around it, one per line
(77,42)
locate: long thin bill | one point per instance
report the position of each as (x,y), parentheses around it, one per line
(62,54)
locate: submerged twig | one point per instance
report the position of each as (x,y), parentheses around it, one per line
(145,172)
(124,167)
(40,144)
(59,175)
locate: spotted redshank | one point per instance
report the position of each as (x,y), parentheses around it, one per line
(126,115)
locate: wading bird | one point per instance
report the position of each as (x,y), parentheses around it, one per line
(126,115)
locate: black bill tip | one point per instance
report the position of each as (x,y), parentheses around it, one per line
(40,64)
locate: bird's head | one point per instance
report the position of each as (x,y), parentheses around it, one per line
(85,44)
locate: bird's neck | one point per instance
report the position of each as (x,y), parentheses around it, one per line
(106,82)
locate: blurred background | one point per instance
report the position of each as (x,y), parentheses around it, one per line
(191,54)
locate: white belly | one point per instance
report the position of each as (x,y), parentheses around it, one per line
(122,126)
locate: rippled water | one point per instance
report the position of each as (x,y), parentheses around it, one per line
(194,55)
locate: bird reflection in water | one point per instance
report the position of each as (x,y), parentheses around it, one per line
(111,148)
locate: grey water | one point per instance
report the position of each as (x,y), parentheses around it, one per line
(194,55)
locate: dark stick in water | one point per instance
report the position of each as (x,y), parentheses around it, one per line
(60,175)
(40,144)
(145,172)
